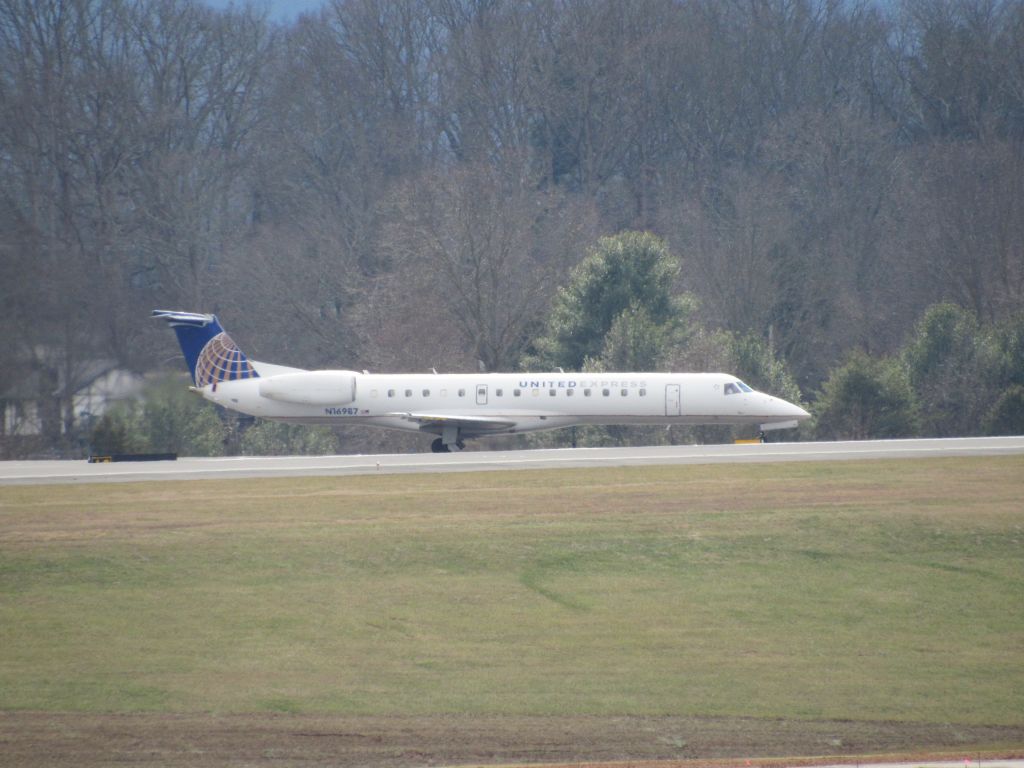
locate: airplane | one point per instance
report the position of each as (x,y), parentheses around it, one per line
(455,407)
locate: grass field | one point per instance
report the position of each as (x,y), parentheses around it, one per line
(862,591)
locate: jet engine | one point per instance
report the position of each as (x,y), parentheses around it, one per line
(311,387)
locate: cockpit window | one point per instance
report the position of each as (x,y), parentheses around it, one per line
(735,387)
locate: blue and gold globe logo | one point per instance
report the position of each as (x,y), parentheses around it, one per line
(222,360)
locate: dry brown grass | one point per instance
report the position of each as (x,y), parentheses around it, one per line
(694,613)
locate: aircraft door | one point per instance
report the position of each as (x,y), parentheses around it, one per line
(673,400)
(481,394)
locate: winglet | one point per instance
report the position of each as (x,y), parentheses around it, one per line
(210,353)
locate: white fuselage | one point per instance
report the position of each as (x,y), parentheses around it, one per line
(498,403)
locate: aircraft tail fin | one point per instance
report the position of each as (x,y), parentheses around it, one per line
(211,354)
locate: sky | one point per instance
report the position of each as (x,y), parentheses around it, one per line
(284,11)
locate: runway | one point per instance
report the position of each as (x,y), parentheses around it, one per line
(48,472)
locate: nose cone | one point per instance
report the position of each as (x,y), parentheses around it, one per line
(787,410)
(781,414)
(798,413)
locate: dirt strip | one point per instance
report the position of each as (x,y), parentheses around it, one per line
(201,740)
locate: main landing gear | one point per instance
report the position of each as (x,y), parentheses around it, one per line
(438,446)
(449,441)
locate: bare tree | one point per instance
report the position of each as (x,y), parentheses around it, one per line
(490,248)
(402,182)
(485,101)
(965,230)
(59,152)
(197,98)
(727,233)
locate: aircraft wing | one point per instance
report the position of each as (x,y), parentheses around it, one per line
(469,425)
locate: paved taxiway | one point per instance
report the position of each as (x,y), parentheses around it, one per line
(43,472)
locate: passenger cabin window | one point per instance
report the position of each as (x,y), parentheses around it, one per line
(426,393)
(391,393)
(605,392)
(497,392)
(568,392)
(625,392)
(643,392)
(408,393)
(552,392)
(516,392)
(462,393)
(586,393)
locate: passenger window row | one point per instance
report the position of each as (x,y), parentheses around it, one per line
(587,392)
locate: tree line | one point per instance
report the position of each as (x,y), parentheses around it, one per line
(406,184)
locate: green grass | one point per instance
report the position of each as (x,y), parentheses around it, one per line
(863,590)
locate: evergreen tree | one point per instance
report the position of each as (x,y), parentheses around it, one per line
(272,438)
(635,342)
(866,398)
(1009,343)
(629,279)
(1007,415)
(169,419)
(951,363)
